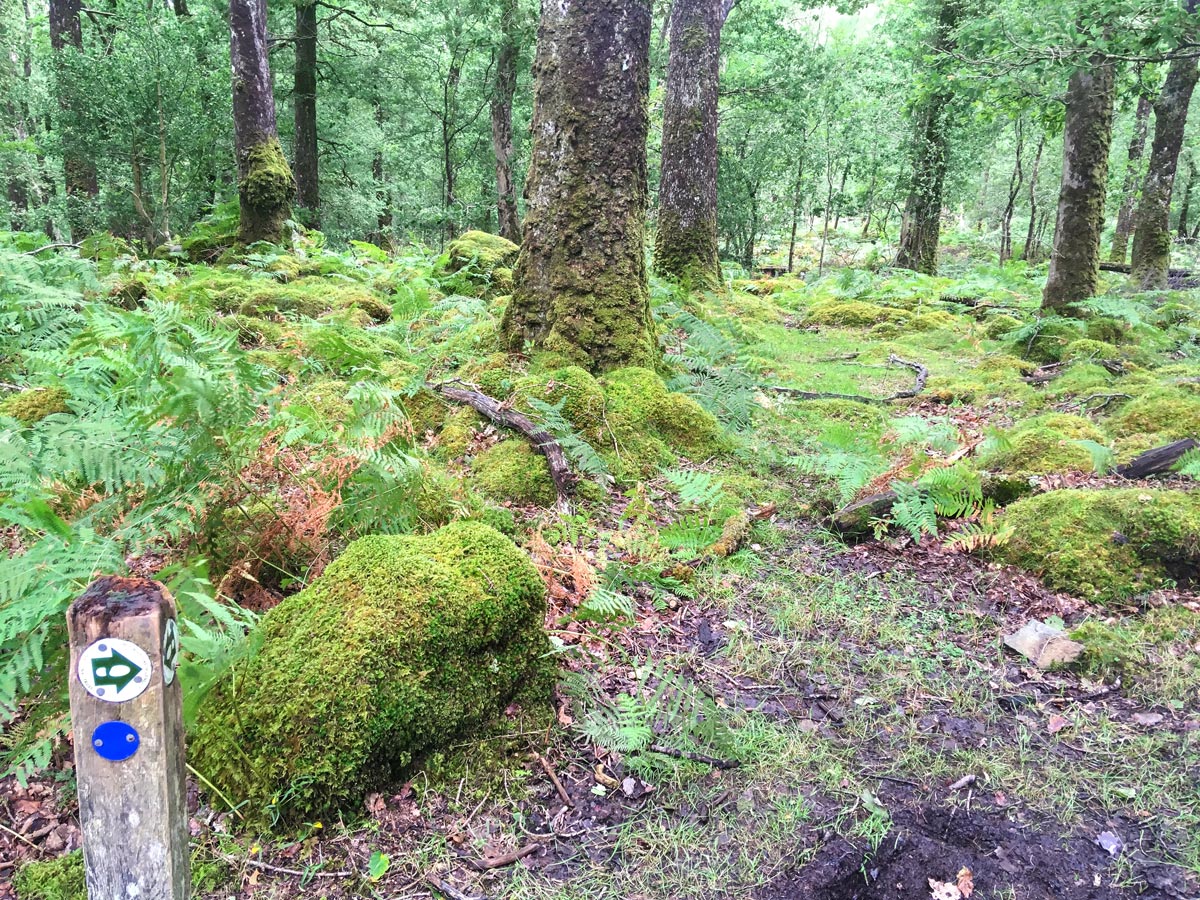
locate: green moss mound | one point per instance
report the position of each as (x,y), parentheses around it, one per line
(1106,545)
(52,879)
(402,645)
(30,407)
(853,314)
(488,253)
(1171,415)
(514,471)
(1046,444)
(1087,349)
(582,398)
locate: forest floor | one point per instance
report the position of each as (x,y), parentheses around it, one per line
(866,732)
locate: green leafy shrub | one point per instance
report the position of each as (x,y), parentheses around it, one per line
(403,644)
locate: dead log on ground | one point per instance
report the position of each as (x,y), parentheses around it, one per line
(918,386)
(543,441)
(1125,269)
(1156,461)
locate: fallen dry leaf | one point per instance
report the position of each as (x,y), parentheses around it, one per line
(1147,720)
(966,885)
(1057,724)
(943,890)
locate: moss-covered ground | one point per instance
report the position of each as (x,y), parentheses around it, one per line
(810,715)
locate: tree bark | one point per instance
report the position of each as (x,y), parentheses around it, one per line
(78,172)
(1087,134)
(503,90)
(1133,170)
(581,286)
(686,244)
(265,183)
(1151,256)
(921,226)
(304,99)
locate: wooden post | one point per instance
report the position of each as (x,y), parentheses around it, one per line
(127,720)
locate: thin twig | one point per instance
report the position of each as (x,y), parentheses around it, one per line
(449,890)
(499,862)
(267,867)
(558,785)
(918,386)
(713,761)
(961,783)
(55,246)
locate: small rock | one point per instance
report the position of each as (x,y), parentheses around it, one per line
(1110,843)
(1147,720)
(1043,645)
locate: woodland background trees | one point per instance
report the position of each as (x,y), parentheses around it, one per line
(411,122)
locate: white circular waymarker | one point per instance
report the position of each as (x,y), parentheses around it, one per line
(113,669)
(170,651)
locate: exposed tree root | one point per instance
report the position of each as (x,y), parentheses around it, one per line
(918,386)
(506,416)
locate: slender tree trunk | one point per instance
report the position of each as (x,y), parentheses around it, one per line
(1035,172)
(304,99)
(265,183)
(503,90)
(795,211)
(78,172)
(1151,256)
(686,244)
(1133,171)
(581,286)
(1186,204)
(841,192)
(383,219)
(1087,134)
(921,225)
(1014,188)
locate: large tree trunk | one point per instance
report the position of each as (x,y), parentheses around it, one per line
(503,90)
(686,244)
(1133,171)
(1152,226)
(581,278)
(265,183)
(304,98)
(1087,134)
(921,226)
(78,172)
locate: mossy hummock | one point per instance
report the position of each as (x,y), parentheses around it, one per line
(1046,444)
(30,407)
(403,645)
(1106,545)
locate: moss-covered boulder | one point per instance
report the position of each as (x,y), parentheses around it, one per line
(30,407)
(514,471)
(1106,544)
(582,398)
(853,314)
(1046,444)
(60,878)
(402,645)
(486,252)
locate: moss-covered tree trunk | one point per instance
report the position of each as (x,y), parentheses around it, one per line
(921,226)
(1151,256)
(503,89)
(686,244)
(1133,171)
(265,183)
(581,278)
(304,99)
(1087,134)
(79,174)
(1185,204)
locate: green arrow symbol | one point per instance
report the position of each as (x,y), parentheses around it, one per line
(117,670)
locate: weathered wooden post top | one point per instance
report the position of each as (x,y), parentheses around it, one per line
(127,720)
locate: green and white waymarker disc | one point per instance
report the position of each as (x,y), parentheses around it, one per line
(113,669)
(170,651)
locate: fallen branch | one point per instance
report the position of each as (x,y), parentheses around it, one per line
(543,442)
(713,761)
(1126,269)
(918,386)
(499,862)
(1156,461)
(58,245)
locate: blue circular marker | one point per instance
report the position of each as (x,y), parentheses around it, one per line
(115,741)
